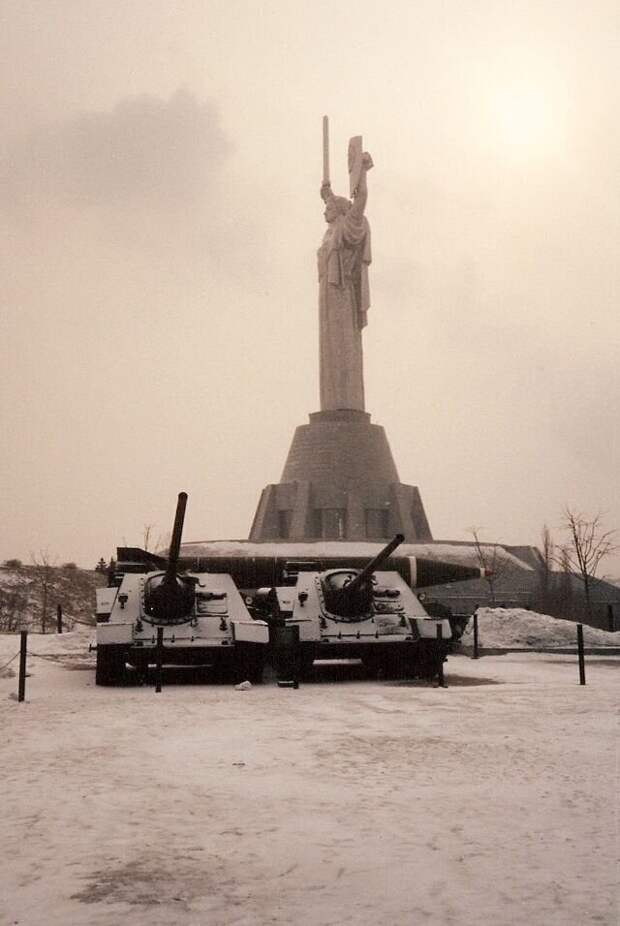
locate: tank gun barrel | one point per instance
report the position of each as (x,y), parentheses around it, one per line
(348,592)
(169,597)
(375,563)
(175,543)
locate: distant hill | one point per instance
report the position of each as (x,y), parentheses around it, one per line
(26,591)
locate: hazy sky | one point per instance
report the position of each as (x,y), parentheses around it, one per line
(160,169)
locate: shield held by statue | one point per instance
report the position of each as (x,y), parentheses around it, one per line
(355,163)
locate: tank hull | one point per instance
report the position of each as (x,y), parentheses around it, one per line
(392,637)
(218,633)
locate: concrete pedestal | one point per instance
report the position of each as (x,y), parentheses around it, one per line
(340,483)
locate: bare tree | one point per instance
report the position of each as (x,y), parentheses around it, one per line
(567,591)
(588,544)
(44,578)
(545,569)
(147,536)
(13,603)
(492,559)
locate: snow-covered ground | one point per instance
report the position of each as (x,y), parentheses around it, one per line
(487,803)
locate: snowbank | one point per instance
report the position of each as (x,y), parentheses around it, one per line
(64,648)
(73,641)
(516,627)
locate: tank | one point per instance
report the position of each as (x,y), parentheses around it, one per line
(369,614)
(202,616)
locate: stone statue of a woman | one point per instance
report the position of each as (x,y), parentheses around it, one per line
(344,298)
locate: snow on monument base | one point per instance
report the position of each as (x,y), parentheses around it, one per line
(340,483)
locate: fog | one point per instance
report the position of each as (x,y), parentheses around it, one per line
(160,174)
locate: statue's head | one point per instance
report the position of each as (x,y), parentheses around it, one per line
(335,206)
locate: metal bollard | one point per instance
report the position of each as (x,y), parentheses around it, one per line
(476,653)
(159,659)
(582,661)
(442,683)
(23,648)
(286,655)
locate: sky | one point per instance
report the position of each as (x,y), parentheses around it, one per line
(160,166)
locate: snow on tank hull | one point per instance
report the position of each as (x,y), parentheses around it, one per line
(214,630)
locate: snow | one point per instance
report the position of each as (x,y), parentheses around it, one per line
(23,593)
(463,553)
(352,802)
(10,578)
(516,627)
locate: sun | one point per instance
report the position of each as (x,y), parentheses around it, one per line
(528,119)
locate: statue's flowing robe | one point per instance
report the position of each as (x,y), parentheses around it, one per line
(344,300)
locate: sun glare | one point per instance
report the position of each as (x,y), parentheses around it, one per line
(528,120)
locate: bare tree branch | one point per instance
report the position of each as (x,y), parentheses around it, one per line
(588,544)
(44,574)
(545,571)
(492,559)
(146,536)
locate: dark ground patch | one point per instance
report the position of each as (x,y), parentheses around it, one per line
(452,681)
(590,661)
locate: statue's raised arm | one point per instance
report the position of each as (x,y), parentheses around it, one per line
(326,191)
(360,191)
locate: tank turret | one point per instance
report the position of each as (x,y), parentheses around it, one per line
(348,593)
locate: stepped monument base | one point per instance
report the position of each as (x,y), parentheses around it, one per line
(340,483)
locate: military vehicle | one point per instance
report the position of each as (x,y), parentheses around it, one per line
(162,615)
(348,613)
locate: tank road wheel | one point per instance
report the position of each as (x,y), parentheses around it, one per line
(111,668)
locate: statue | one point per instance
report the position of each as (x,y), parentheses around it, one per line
(344,300)
(340,480)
